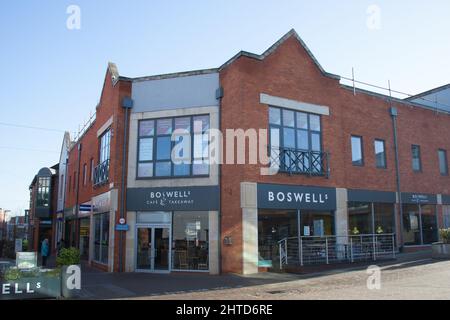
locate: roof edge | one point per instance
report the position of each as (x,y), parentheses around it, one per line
(272,48)
(397,100)
(175,75)
(428,92)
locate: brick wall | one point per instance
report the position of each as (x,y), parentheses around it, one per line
(109,106)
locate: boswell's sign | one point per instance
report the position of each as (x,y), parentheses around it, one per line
(276,196)
(173,198)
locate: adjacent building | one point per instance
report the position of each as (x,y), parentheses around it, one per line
(95,178)
(43,196)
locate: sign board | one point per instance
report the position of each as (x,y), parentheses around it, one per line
(122,227)
(26,260)
(18,245)
(419,198)
(102,202)
(277,196)
(202,198)
(445,199)
(371,196)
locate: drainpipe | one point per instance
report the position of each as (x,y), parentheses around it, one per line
(394,114)
(77,211)
(64,235)
(219,96)
(127,104)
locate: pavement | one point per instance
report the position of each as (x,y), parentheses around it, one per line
(410,276)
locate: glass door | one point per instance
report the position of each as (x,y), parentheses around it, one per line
(153,249)
(161,250)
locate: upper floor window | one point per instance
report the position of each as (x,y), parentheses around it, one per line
(296,142)
(173,147)
(443,164)
(92,170)
(84,174)
(357,151)
(105,141)
(294,130)
(43,194)
(416,161)
(380,153)
(61,185)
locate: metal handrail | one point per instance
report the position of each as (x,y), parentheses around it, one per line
(101,173)
(330,248)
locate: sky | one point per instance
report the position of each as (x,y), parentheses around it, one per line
(52,74)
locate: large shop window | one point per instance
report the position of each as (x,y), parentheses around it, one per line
(371,218)
(101,237)
(297,138)
(173,147)
(419,224)
(316,223)
(190,240)
(446,216)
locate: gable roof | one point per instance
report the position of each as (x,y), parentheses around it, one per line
(291,33)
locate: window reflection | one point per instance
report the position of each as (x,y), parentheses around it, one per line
(190,240)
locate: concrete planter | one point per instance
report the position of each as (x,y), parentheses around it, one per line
(440,250)
(67,282)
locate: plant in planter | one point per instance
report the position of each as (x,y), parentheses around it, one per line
(445,235)
(441,250)
(68,256)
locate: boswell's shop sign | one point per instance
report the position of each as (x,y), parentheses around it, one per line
(201,198)
(277,196)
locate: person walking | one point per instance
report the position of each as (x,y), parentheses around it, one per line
(44,252)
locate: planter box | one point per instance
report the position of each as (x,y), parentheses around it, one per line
(33,286)
(67,282)
(440,250)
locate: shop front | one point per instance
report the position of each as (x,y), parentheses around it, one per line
(292,212)
(173,229)
(371,212)
(420,222)
(445,211)
(101,225)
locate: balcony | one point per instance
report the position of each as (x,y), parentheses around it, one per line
(101,173)
(296,161)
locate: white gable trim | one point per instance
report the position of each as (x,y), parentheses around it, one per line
(293,104)
(105,126)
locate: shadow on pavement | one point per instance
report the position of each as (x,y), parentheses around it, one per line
(100,285)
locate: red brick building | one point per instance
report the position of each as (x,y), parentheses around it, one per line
(351,174)
(94,178)
(288,79)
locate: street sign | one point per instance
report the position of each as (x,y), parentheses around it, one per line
(18,245)
(122,227)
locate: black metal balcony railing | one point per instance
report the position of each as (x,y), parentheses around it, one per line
(101,173)
(296,161)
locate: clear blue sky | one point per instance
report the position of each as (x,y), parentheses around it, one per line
(52,76)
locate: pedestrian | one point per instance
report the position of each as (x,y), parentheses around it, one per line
(44,252)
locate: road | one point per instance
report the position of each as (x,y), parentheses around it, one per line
(420,279)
